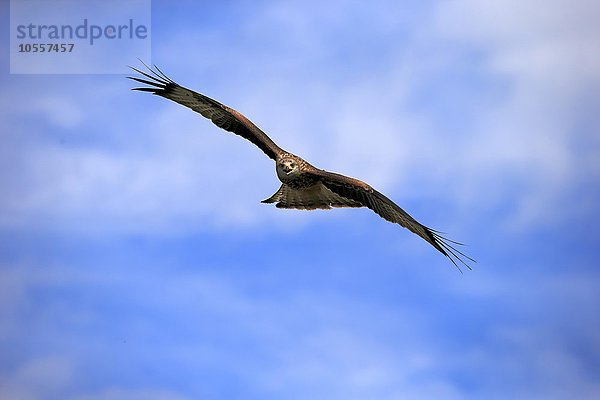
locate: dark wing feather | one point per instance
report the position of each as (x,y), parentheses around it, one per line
(359,191)
(221,115)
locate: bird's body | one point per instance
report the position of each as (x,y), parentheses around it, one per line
(293,171)
(303,186)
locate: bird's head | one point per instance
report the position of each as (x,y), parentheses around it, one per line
(287,166)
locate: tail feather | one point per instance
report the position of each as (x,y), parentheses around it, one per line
(310,198)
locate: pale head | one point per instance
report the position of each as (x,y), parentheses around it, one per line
(287,167)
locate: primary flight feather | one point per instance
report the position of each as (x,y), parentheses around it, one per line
(302,185)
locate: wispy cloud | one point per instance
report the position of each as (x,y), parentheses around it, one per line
(137,262)
(309,342)
(368,122)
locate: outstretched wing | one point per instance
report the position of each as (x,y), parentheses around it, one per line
(364,194)
(221,115)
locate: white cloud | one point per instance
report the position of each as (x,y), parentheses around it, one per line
(548,56)
(173,170)
(43,377)
(54,377)
(310,342)
(131,394)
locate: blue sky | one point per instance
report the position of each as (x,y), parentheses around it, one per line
(136,261)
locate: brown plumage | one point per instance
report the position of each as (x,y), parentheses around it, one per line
(303,186)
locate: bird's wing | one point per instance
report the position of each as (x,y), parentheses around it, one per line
(221,115)
(311,198)
(364,194)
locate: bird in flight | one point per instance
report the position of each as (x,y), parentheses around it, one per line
(302,186)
